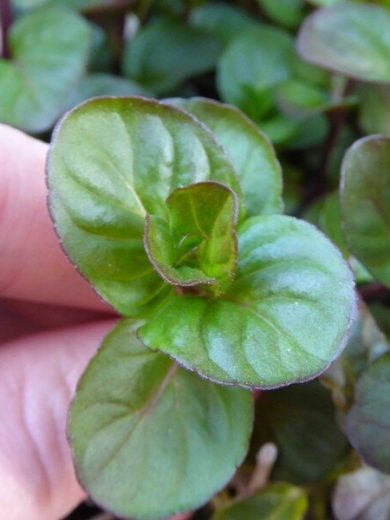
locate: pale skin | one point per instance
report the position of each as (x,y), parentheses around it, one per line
(51,323)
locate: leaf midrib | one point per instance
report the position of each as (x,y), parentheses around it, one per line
(143,412)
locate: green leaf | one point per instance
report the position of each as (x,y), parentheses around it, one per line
(351,39)
(100,84)
(101,187)
(27,4)
(374,109)
(330,221)
(365,204)
(177,8)
(186,52)
(221,20)
(288,13)
(310,132)
(321,3)
(368,421)
(254,62)
(325,214)
(306,454)
(277,501)
(363,494)
(197,242)
(101,54)
(249,150)
(49,51)
(283,320)
(298,97)
(150,439)
(303,71)
(280,129)
(74,4)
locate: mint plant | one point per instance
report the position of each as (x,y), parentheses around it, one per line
(214,285)
(239,226)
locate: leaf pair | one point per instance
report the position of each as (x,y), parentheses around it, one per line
(197,243)
(101,192)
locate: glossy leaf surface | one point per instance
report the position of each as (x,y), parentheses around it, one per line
(368,422)
(196,244)
(284,319)
(49,52)
(365,204)
(101,189)
(149,438)
(276,501)
(249,150)
(187,52)
(351,39)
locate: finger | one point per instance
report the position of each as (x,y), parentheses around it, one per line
(47,317)
(32,264)
(12,325)
(38,375)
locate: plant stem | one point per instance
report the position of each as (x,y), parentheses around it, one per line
(5,19)
(265,460)
(337,118)
(143,9)
(375,292)
(117,6)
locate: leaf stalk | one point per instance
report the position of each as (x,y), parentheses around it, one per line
(6,20)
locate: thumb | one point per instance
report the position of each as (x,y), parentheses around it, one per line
(38,375)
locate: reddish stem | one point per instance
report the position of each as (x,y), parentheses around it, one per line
(375,292)
(6,20)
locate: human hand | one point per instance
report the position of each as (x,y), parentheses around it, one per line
(51,323)
(44,347)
